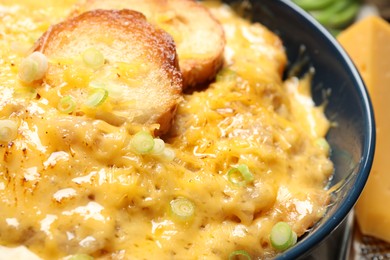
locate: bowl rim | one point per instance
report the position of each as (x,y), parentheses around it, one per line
(364,165)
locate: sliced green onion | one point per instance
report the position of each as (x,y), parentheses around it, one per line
(142,142)
(182,208)
(66,105)
(168,154)
(294,238)
(97,84)
(28,70)
(81,257)
(159,146)
(25,92)
(282,237)
(240,175)
(33,67)
(240,254)
(8,130)
(96,97)
(323,144)
(93,58)
(226,74)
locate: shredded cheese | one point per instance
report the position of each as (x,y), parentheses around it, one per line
(71,184)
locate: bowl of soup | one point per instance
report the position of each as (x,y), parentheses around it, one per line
(176,130)
(352,139)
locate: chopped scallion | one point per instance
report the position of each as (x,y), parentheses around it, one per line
(226,75)
(323,144)
(168,154)
(239,254)
(33,67)
(282,236)
(66,105)
(240,175)
(8,130)
(142,142)
(182,208)
(96,97)
(93,58)
(159,146)
(28,70)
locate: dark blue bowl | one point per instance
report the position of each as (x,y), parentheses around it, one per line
(353,140)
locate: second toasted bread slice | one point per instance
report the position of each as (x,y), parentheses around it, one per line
(138,66)
(199,37)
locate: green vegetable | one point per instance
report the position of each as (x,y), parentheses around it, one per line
(96,97)
(226,75)
(239,253)
(142,142)
(344,17)
(327,16)
(28,70)
(168,154)
(66,105)
(282,237)
(33,67)
(310,5)
(240,175)
(333,14)
(158,147)
(8,130)
(93,58)
(323,144)
(182,209)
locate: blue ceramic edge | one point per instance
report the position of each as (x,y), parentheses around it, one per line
(368,150)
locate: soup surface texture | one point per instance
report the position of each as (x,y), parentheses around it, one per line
(71,183)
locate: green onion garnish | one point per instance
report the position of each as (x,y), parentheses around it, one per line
(93,58)
(28,70)
(8,130)
(282,236)
(66,105)
(239,254)
(182,208)
(323,144)
(159,146)
(96,97)
(226,75)
(81,257)
(33,67)
(142,142)
(240,175)
(168,154)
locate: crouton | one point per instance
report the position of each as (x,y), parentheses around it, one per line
(199,37)
(118,51)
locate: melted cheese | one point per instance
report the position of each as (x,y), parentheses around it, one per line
(367,42)
(71,184)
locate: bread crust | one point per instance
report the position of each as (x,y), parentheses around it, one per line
(123,37)
(199,37)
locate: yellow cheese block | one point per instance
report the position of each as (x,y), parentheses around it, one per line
(368,44)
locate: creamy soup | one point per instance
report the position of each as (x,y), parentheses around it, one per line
(246,153)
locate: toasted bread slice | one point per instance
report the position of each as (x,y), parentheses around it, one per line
(199,37)
(140,70)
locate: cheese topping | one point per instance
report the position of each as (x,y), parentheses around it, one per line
(72,184)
